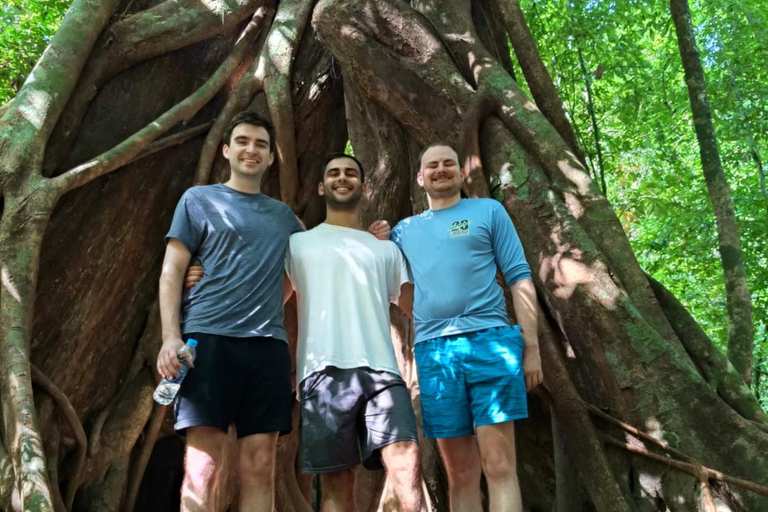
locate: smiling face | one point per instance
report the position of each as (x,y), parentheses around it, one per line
(248,151)
(341,186)
(440,174)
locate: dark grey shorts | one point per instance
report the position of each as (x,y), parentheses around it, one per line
(349,414)
(245,381)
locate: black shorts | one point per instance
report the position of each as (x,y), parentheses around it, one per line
(349,414)
(245,381)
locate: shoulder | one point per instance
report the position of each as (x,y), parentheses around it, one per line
(276,205)
(301,237)
(405,224)
(198,192)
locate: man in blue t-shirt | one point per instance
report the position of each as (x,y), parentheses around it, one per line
(242,373)
(474,368)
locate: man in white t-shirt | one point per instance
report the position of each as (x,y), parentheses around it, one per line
(354,403)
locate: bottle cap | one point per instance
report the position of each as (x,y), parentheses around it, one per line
(192,342)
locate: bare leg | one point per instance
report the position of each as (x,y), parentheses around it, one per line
(338,490)
(201,468)
(404,471)
(462,463)
(257,472)
(497,453)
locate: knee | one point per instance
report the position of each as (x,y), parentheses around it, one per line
(462,476)
(201,467)
(402,458)
(497,466)
(257,464)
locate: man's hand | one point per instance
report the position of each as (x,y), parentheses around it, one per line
(380,229)
(194,275)
(532,367)
(168,364)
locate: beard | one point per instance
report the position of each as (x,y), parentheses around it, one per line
(346,203)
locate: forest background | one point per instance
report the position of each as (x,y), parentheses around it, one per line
(618,70)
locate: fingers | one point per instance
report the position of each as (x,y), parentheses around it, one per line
(533,379)
(194,276)
(381,229)
(168,364)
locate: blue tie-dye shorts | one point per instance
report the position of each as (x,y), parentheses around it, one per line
(471,379)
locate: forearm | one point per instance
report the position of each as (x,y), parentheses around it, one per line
(405,300)
(171,283)
(524,302)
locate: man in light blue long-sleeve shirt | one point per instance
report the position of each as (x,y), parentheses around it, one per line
(474,368)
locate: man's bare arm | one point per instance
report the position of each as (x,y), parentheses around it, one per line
(526,311)
(405,301)
(287,287)
(175,264)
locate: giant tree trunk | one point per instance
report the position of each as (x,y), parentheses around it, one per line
(126,111)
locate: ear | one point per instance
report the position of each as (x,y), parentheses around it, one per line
(271,158)
(320,189)
(420,179)
(225,151)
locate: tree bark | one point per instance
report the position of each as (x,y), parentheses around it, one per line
(740,335)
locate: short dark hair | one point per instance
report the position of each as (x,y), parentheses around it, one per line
(334,156)
(250,117)
(435,145)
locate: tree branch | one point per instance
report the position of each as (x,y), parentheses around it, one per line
(62,401)
(173,140)
(52,447)
(738,298)
(134,145)
(169,26)
(539,80)
(6,477)
(241,96)
(691,469)
(595,129)
(715,368)
(42,98)
(277,61)
(140,464)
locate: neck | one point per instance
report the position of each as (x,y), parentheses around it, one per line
(441,203)
(344,218)
(245,184)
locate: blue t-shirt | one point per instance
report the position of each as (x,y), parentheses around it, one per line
(240,239)
(454,255)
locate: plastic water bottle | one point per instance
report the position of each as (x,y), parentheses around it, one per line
(167,389)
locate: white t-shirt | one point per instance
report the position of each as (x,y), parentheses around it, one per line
(344,280)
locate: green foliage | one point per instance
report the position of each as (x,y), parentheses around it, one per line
(26,28)
(652,159)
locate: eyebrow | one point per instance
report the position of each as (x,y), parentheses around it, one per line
(345,167)
(245,137)
(430,162)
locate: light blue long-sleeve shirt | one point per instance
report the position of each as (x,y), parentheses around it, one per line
(453,255)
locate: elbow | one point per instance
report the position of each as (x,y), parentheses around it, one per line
(169,277)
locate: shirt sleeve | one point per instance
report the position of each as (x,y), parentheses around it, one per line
(189,223)
(295,227)
(507,248)
(401,275)
(396,234)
